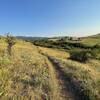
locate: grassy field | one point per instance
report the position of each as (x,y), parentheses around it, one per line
(26,74)
(91,41)
(84,76)
(39,73)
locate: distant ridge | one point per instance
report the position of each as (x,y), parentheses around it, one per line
(57,37)
(95,36)
(29,38)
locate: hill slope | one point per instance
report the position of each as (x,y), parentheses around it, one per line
(91,40)
(26,74)
(34,72)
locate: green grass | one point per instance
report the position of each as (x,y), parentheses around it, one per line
(91,41)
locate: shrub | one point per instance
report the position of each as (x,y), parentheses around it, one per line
(81,56)
(97,46)
(10,41)
(95,53)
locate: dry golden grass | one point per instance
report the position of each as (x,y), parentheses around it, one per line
(26,74)
(54,53)
(87,74)
(29,74)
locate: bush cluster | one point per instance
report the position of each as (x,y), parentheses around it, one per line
(84,55)
(61,44)
(81,56)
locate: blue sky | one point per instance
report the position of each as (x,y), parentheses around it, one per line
(50,17)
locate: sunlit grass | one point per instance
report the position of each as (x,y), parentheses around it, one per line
(86,74)
(26,73)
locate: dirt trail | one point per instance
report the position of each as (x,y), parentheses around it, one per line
(67,89)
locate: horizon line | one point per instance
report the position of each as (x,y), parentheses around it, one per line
(1,34)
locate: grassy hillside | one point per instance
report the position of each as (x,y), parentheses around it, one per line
(91,40)
(39,73)
(90,45)
(85,77)
(26,74)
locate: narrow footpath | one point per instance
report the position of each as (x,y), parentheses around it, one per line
(67,89)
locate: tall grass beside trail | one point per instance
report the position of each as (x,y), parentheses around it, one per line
(25,75)
(85,76)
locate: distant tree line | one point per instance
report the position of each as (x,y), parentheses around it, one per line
(78,51)
(62,44)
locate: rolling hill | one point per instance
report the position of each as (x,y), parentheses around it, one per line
(39,73)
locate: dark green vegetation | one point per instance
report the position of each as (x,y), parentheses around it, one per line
(80,49)
(63,44)
(84,55)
